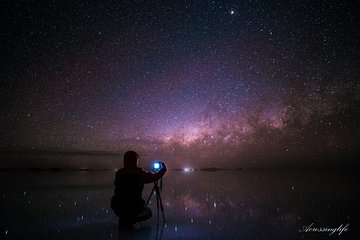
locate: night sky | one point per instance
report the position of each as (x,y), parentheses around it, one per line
(220,83)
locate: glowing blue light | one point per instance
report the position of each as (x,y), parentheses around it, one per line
(156,165)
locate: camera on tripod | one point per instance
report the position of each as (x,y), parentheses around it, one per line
(156,166)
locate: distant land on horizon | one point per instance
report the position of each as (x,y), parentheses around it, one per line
(58,160)
(63,152)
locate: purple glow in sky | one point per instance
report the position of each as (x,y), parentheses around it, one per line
(209,83)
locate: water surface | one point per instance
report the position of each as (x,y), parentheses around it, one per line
(227,204)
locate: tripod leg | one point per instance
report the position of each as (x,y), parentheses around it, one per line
(162,208)
(160,203)
(157,202)
(152,191)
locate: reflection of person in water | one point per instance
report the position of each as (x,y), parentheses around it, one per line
(127,201)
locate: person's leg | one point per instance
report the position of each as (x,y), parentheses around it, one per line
(126,220)
(125,223)
(144,215)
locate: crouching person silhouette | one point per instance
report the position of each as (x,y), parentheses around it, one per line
(127,202)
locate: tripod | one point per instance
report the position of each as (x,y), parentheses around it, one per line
(157,191)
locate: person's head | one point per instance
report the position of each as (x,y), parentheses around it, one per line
(131,159)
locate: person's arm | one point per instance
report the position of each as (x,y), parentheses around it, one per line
(149,177)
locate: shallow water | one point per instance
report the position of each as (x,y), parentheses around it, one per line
(227,204)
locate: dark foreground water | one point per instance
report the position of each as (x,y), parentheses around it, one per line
(228,204)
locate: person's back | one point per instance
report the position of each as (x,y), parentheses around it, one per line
(127,201)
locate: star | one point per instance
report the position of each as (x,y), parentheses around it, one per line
(218,81)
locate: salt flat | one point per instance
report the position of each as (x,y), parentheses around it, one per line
(225,204)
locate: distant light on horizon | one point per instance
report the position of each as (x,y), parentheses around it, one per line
(188,169)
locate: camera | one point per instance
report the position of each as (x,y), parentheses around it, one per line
(157,166)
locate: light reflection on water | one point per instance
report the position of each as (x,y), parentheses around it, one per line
(228,204)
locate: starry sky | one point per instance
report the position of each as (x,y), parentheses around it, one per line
(230,83)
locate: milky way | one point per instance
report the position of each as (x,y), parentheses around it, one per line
(203,82)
